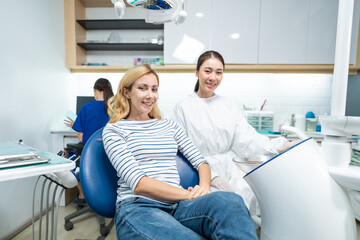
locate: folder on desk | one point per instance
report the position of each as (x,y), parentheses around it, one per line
(16,160)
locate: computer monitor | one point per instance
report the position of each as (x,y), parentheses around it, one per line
(81,100)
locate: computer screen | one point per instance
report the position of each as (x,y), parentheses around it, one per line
(81,100)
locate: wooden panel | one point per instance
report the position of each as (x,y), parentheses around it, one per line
(74,55)
(97,3)
(80,13)
(70,48)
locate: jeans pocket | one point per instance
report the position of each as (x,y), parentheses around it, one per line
(126,202)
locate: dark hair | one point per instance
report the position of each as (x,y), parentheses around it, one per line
(205,56)
(103,85)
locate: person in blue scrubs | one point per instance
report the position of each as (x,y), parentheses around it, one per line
(93,116)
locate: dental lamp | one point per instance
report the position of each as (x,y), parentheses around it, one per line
(119,7)
(157,11)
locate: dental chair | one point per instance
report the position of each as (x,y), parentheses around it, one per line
(100,182)
(82,208)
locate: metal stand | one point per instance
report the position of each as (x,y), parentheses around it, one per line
(54,210)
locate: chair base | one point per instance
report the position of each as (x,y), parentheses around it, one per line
(104,229)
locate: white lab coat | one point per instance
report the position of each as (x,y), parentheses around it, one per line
(221,133)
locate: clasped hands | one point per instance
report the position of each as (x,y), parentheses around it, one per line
(197,191)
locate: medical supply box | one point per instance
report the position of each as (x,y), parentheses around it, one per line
(260,120)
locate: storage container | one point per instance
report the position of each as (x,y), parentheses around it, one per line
(260,120)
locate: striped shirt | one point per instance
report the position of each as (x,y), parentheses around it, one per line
(147,148)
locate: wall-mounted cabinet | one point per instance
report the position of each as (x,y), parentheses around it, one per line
(303,32)
(292,36)
(232,29)
(109,42)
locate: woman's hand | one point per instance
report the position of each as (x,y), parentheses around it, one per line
(197,191)
(287,145)
(69,122)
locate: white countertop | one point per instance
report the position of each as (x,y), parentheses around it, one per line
(69,131)
(56,164)
(314,135)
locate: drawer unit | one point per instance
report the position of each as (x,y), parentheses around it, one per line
(260,120)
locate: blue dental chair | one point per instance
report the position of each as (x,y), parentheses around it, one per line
(99,180)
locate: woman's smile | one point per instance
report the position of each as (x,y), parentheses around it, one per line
(142,97)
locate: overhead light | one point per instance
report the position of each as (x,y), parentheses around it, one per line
(119,7)
(235,35)
(199,14)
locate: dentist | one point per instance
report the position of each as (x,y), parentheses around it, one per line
(219,130)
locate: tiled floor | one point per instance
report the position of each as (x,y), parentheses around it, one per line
(85,227)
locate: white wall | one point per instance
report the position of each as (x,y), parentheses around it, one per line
(37,90)
(33,92)
(285,93)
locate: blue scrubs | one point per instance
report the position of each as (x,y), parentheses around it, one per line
(92,116)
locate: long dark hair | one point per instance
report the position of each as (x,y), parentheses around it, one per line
(205,56)
(103,85)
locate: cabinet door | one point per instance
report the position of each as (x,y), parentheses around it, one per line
(355,32)
(322,32)
(184,43)
(283,31)
(235,30)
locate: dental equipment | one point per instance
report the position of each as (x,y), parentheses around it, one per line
(157,12)
(302,192)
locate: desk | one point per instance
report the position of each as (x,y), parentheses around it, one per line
(60,138)
(56,164)
(317,136)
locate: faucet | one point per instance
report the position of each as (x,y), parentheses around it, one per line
(293,120)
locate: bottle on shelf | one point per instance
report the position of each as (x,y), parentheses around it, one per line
(310,123)
(157,61)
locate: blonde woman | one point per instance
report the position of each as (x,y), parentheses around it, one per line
(142,147)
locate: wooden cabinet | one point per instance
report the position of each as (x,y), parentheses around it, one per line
(89,50)
(278,36)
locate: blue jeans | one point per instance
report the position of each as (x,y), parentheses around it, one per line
(218,215)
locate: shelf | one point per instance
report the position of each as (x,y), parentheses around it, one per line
(229,68)
(122,46)
(105,24)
